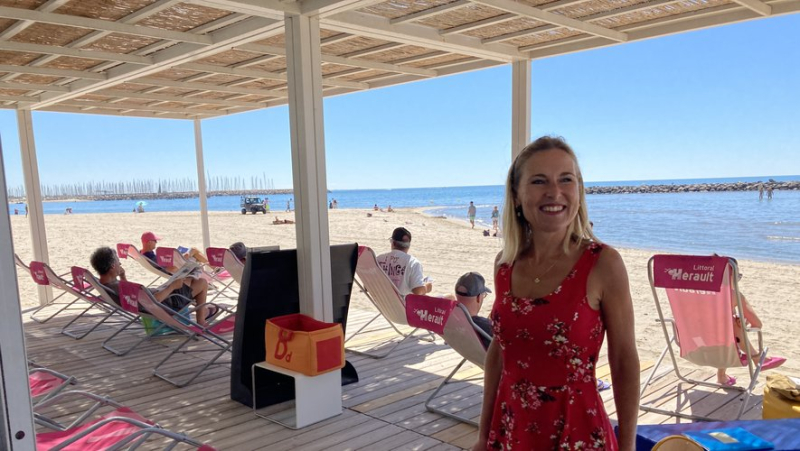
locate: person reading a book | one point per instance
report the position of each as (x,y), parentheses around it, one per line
(149,244)
(176,295)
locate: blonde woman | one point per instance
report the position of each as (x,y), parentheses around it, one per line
(559,292)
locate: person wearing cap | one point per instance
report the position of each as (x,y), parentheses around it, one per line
(471,290)
(404,270)
(149,243)
(239,250)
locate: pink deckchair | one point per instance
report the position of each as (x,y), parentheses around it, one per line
(452,321)
(121,428)
(46,383)
(169,256)
(133,295)
(703,296)
(45,276)
(380,290)
(99,301)
(125,251)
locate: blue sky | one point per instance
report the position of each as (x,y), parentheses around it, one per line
(722,102)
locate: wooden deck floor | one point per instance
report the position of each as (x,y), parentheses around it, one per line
(384,411)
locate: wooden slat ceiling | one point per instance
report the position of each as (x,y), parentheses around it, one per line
(205,58)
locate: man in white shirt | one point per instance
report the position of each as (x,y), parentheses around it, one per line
(404,270)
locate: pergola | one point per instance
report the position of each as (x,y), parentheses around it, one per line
(198,59)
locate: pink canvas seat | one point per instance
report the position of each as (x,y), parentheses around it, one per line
(133,295)
(46,383)
(97,299)
(222,258)
(122,428)
(452,321)
(380,290)
(43,275)
(125,251)
(703,297)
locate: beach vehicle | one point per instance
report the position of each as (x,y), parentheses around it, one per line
(252,205)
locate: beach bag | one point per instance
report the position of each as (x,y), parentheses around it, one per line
(300,343)
(151,325)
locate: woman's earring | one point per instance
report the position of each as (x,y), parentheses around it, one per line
(519,212)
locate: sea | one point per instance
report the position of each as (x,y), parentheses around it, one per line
(728,223)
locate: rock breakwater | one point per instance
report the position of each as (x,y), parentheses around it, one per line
(694,188)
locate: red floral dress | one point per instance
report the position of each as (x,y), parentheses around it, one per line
(547,397)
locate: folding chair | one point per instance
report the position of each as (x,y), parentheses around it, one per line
(169,256)
(101,301)
(380,290)
(46,383)
(44,275)
(222,258)
(125,250)
(132,295)
(703,295)
(121,428)
(459,332)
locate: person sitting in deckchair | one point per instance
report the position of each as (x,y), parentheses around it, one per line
(176,295)
(239,250)
(403,270)
(471,290)
(750,320)
(149,243)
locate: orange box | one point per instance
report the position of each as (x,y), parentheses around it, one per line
(300,343)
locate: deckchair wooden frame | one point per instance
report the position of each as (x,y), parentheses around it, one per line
(392,314)
(732,272)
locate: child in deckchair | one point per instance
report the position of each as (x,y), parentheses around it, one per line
(176,295)
(751,320)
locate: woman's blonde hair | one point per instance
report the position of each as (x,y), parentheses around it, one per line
(516,230)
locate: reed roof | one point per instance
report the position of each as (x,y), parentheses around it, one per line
(204,58)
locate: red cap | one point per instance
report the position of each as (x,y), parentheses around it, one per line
(149,236)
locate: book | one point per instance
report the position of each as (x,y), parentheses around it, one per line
(728,439)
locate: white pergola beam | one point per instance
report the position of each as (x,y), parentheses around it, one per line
(181,99)
(224,70)
(76,53)
(155,109)
(243,32)
(381,28)
(324,8)
(51,72)
(229,88)
(333,59)
(520,106)
(303,57)
(33,194)
(756,6)
(201,183)
(270,9)
(16,28)
(479,24)
(419,15)
(32,87)
(101,25)
(552,18)
(693,20)
(61,108)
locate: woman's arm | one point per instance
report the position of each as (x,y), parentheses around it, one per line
(617,311)
(491,380)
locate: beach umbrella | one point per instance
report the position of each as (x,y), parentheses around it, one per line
(141,203)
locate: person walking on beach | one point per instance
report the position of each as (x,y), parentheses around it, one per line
(26,210)
(495,218)
(769,191)
(289,205)
(471,212)
(404,270)
(760,191)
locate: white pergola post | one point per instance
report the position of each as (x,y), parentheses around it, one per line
(201,184)
(33,193)
(520,106)
(16,416)
(303,58)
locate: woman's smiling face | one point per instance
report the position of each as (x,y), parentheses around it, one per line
(548,191)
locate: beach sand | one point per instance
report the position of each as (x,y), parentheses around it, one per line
(446,248)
